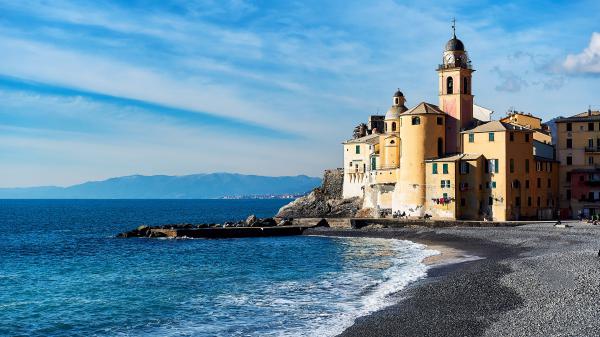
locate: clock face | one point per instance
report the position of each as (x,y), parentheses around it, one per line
(449,59)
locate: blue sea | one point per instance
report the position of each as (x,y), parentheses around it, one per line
(63,273)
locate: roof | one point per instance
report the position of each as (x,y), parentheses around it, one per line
(424,108)
(455,44)
(587,116)
(494,126)
(398,93)
(456,157)
(395,111)
(371,139)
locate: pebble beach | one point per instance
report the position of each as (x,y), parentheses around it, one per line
(531,280)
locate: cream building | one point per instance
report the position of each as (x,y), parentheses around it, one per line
(442,161)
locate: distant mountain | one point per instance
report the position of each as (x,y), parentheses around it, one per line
(197,186)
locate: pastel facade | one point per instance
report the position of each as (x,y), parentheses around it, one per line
(578,149)
(441,161)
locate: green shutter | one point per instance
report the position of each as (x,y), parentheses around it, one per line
(434,168)
(471,137)
(357,149)
(445,168)
(491,136)
(495,165)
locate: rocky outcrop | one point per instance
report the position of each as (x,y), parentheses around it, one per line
(323,201)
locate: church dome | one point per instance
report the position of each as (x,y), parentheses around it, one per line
(395,111)
(455,44)
(398,94)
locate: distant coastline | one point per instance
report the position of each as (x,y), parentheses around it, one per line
(196,186)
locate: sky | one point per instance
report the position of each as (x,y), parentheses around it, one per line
(97,89)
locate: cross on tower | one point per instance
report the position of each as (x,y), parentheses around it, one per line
(454,27)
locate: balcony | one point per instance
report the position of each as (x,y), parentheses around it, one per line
(592,182)
(589,200)
(592,149)
(454,65)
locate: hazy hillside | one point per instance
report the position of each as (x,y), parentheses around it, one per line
(214,185)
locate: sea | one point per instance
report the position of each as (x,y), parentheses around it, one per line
(63,273)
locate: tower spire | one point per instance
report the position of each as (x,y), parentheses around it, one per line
(454,28)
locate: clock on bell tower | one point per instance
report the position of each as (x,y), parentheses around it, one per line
(455,97)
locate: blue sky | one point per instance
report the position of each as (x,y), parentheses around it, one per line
(95,89)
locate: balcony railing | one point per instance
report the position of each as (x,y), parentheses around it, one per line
(589,199)
(455,65)
(592,149)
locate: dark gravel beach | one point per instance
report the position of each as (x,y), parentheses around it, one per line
(533,280)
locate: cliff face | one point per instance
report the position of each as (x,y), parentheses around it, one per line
(324,201)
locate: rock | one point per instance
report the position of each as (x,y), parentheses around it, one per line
(286,222)
(267,222)
(251,220)
(324,201)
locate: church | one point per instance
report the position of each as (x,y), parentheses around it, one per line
(450,161)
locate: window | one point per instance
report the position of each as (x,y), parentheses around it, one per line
(416,121)
(527,183)
(450,85)
(373,163)
(539,201)
(526,165)
(357,149)
(538,166)
(392,142)
(581,178)
(464,167)
(512,136)
(529,201)
(590,126)
(569,160)
(492,166)
(445,168)
(539,182)
(445,195)
(490,201)
(434,168)
(590,143)
(512,165)
(568,177)
(549,183)
(569,127)
(518,201)
(471,137)
(463,202)
(591,160)
(445,183)
(466,85)
(493,184)
(440,121)
(568,194)
(393,126)
(491,136)
(569,143)
(526,138)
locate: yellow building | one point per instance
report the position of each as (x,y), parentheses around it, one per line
(578,149)
(440,161)
(541,132)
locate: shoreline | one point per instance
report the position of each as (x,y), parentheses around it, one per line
(491,282)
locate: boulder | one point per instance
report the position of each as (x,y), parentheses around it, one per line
(267,222)
(251,220)
(286,222)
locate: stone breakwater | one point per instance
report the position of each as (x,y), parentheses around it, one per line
(251,227)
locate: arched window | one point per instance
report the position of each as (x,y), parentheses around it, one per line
(393,126)
(450,85)
(440,147)
(416,121)
(466,85)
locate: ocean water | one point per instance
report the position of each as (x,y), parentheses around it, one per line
(62,273)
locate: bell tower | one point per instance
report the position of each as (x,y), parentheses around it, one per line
(455,97)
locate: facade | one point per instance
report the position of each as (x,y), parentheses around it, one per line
(578,149)
(541,131)
(444,162)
